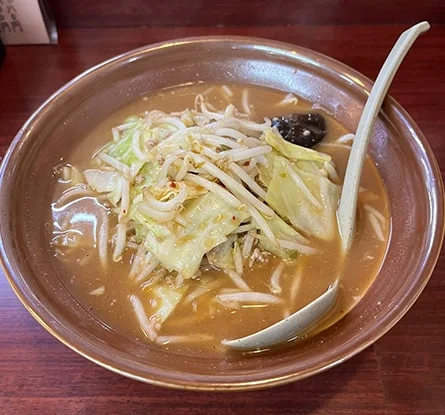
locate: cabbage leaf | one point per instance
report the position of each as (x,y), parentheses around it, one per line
(293,152)
(168,298)
(105,182)
(222,255)
(281,230)
(209,220)
(285,196)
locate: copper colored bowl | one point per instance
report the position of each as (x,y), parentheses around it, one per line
(398,147)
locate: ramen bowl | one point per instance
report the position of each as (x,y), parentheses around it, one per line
(398,148)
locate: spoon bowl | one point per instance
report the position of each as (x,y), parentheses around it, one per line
(291,327)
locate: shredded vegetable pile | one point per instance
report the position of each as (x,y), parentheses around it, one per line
(204,188)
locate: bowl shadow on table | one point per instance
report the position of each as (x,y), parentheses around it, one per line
(352,386)
(55,377)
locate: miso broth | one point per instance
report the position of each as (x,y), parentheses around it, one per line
(199,322)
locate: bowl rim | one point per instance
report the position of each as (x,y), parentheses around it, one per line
(314,59)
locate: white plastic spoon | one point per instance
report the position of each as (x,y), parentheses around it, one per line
(347,209)
(303,319)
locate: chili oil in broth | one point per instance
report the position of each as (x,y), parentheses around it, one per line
(105,293)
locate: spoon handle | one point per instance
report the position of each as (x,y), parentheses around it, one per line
(348,199)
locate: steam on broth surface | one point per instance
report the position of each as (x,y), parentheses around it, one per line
(124,235)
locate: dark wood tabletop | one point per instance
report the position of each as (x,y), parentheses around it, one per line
(402,373)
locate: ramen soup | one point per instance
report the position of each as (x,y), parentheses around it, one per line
(208,212)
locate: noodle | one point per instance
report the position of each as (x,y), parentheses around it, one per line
(233,185)
(238,259)
(190,338)
(215,188)
(232,133)
(248,180)
(249,297)
(288,99)
(227,91)
(248,245)
(376,226)
(275,286)
(125,200)
(376,213)
(183,170)
(120,241)
(126,126)
(245,102)
(332,173)
(98,291)
(123,168)
(237,280)
(240,155)
(221,141)
(116,134)
(262,224)
(142,318)
(335,145)
(103,241)
(198,292)
(135,145)
(155,214)
(306,250)
(345,138)
(168,205)
(243,228)
(295,286)
(163,174)
(150,264)
(178,124)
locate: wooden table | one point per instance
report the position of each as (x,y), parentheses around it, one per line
(403,373)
